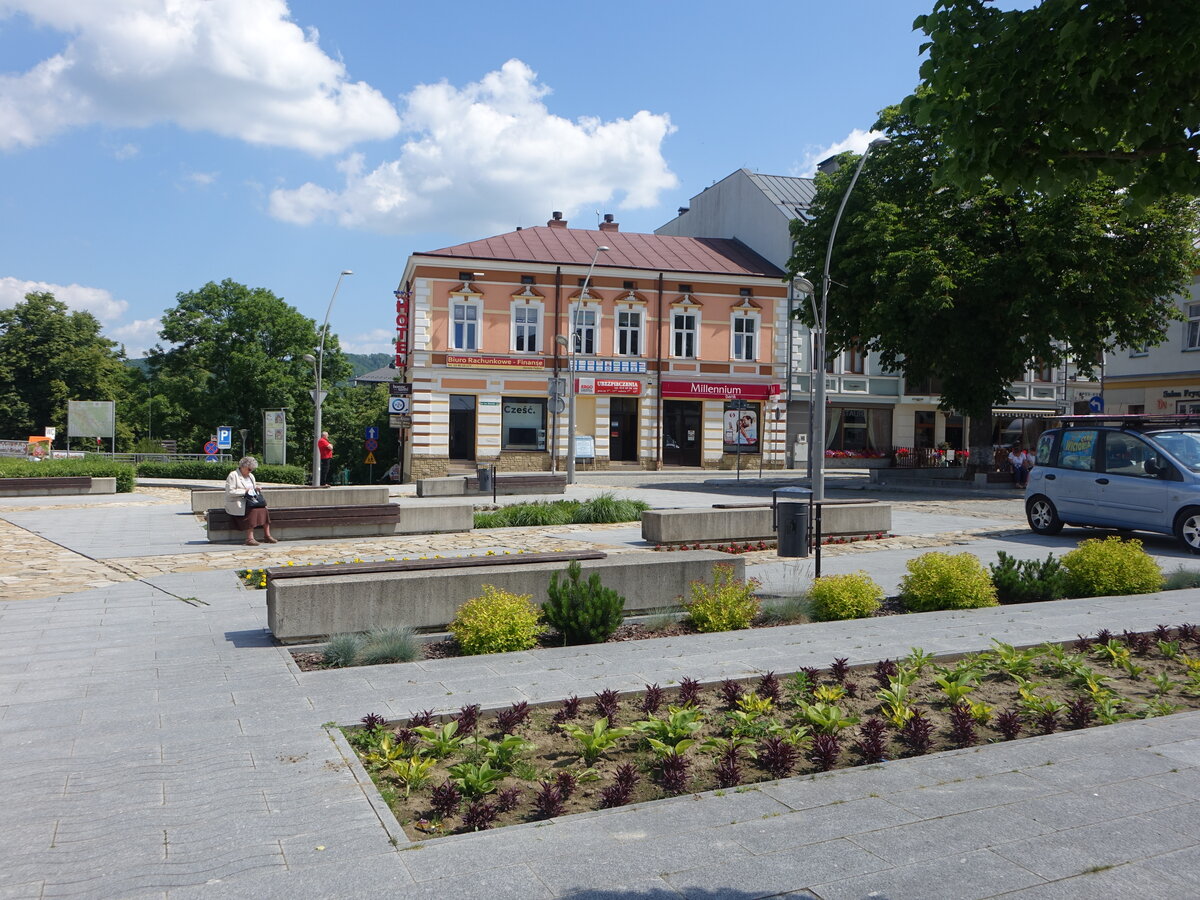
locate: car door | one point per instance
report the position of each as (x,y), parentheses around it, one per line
(1072,483)
(1127,495)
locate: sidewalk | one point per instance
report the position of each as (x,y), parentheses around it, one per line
(154,742)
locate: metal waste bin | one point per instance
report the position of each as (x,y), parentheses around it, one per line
(790,508)
(485,479)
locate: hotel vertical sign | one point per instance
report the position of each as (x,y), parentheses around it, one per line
(403,300)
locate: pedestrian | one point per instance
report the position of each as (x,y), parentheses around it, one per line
(392,474)
(1021,463)
(241,496)
(325,448)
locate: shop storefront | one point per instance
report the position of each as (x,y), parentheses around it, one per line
(702,421)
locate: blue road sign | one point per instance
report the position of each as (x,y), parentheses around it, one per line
(211,448)
(224,437)
(372,433)
(1096,404)
(210,459)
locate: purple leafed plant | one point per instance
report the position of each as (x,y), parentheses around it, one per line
(674,774)
(1139,644)
(776,756)
(689,692)
(467,719)
(769,688)
(728,770)
(1162,633)
(851,687)
(548,802)
(566,784)
(885,671)
(1080,711)
(1047,721)
(1008,723)
(1103,636)
(1083,643)
(371,721)
(871,745)
(813,674)
(422,719)
(608,705)
(406,738)
(1187,632)
(509,720)
(962,726)
(917,734)
(445,800)
(652,699)
(568,711)
(480,816)
(840,669)
(824,751)
(731,693)
(620,792)
(508,799)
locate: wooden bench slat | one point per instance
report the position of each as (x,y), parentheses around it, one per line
(317,515)
(409,565)
(48,482)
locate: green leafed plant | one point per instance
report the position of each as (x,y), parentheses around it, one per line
(502,753)
(1028,580)
(946,581)
(835,597)
(725,605)
(1111,567)
(594,742)
(681,722)
(475,779)
(583,612)
(412,772)
(442,741)
(497,622)
(826,718)
(957,687)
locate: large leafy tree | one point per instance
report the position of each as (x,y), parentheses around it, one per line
(49,355)
(1065,91)
(233,351)
(972,288)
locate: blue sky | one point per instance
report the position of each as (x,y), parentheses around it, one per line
(150,146)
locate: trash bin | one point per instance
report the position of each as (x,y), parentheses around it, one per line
(790,508)
(485,479)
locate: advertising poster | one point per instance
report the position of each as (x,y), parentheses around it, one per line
(275,437)
(741,429)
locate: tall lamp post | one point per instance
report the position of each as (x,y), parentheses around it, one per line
(571,345)
(318,363)
(822,321)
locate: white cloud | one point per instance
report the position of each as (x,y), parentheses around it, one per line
(490,156)
(138,336)
(856,142)
(97,301)
(201,179)
(126,151)
(378,340)
(239,68)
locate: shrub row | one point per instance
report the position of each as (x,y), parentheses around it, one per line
(68,468)
(603,509)
(205,471)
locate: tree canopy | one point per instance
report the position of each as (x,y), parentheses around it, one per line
(974,287)
(48,356)
(1065,91)
(233,352)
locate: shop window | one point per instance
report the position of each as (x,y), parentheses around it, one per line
(923,428)
(523,423)
(464,324)
(956,432)
(858,431)
(742,428)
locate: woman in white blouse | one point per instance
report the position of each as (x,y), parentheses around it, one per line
(240,483)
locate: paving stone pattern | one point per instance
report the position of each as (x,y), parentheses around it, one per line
(154,742)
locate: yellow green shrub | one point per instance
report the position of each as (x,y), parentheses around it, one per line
(946,581)
(1107,567)
(497,622)
(725,605)
(835,597)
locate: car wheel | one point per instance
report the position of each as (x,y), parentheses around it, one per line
(1043,517)
(1187,529)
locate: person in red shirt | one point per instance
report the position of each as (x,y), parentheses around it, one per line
(325,448)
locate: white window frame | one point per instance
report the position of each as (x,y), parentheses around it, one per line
(1191,331)
(680,336)
(738,341)
(585,327)
(472,302)
(622,331)
(517,329)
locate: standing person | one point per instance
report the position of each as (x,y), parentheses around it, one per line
(325,448)
(1019,460)
(238,485)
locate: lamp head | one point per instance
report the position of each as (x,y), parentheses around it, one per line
(309,358)
(561,340)
(802,284)
(347,272)
(880,141)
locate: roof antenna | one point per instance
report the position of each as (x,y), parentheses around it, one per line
(597,218)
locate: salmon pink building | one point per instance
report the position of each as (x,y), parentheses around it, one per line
(676,347)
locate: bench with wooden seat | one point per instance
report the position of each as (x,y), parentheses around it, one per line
(30,487)
(419,565)
(522,483)
(297,522)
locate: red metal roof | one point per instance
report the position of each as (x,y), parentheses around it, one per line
(627,250)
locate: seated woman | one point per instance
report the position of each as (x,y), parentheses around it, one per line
(240,483)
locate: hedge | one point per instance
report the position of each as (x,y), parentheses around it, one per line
(205,471)
(66,468)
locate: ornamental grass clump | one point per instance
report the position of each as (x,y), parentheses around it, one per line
(938,581)
(389,645)
(583,612)
(1107,567)
(725,605)
(342,651)
(497,622)
(835,597)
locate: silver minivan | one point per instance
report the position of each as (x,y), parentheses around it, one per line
(1132,473)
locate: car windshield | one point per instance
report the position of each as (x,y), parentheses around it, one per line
(1183,445)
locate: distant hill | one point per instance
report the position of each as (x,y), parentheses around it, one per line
(362,362)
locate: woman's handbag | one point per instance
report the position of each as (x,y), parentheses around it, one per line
(255,500)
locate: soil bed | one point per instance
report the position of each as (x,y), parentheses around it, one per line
(690,737)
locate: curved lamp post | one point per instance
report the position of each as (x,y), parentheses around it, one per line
(318,395)
(818,428)
(571,344)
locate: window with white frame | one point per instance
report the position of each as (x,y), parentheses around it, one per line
(744,336)
(854,361)
(629,331)
(685,329)
(586,323)
(526,327)
(1192,337)
(465,315)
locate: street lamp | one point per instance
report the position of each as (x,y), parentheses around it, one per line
(821,323)
(318,395)
(571,345)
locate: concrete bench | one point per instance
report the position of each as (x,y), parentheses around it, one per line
(507,483)
(299,495)
(56,486)
(304,607)
(366,520)
(730,522)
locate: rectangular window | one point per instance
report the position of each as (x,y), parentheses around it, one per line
(855,361)
(1043,372)
(586,321)
(629,332)
(525,328)
(1192,341)
(464,326)
(523,423)
(683,335)
(745,332)
(923,429)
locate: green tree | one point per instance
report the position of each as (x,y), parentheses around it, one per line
(1066,91)
(973,287)
(232,352)
(48,356)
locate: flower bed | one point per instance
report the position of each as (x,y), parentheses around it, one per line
(475,770)
(739,547)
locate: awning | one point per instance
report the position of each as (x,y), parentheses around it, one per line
(1026,413)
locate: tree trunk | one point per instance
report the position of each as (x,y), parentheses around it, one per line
(979,439)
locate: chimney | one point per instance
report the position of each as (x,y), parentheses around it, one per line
(556,220)
(683,209)
(608,224)
(828,166)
